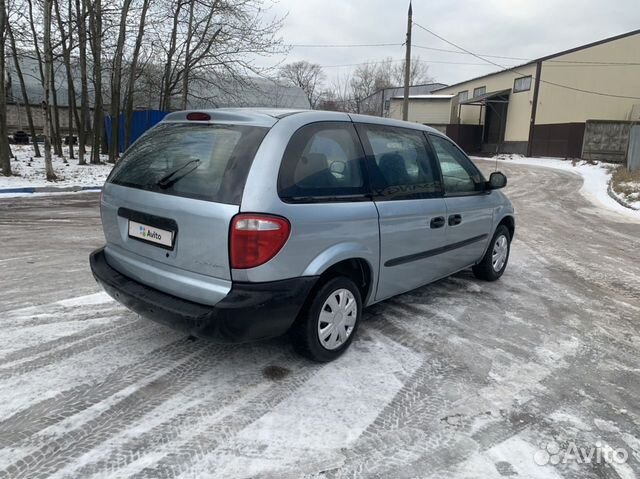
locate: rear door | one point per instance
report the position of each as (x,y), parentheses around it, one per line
(168,203)
(412,214)
(469,207)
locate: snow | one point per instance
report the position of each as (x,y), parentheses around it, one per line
(521,455)
(326,414)
(596,177)
(88,300)
(633,198)
(28,171)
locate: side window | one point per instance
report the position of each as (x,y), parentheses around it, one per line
(459,175)
(403,166)
(322,160)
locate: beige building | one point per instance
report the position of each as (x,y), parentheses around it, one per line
(431,109)
(541,108)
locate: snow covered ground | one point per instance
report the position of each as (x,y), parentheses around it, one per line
(596,178)
(28,171)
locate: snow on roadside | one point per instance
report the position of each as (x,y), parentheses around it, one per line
(632,199)
(28,171)
(596,176)
(625,185)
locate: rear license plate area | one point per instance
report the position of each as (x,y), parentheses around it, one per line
(151,229)
(150,234)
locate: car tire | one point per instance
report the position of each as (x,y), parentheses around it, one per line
(328,322)
(495,260)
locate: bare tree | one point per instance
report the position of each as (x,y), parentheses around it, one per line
(419,74)
(187,57)
(338,97)
(54,111)
(51,110)
(307,76)
(95,22)
(213,47)
(66,42)
(165,93)
(5,159)
(23,89)
(133,67)
(168,53)
(116,83)
(48,70)
(366,80)
(83,124)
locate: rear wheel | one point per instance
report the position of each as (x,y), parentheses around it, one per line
(328,323)
(494,262)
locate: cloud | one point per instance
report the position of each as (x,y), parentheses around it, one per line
(518,28)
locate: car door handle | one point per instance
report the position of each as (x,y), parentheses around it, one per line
(455,220)
(437,222)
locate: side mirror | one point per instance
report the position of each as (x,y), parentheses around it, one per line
(497,180)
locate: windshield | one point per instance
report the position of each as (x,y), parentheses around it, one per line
(219,158)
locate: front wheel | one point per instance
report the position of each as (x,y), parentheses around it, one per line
(494,262)
(328,323)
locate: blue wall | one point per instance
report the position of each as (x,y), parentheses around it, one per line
(142,121)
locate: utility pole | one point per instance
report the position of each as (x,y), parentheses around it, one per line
(407,66)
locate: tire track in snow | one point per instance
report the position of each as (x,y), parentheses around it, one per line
(182,456)
(46,346)
(32,316)
(191,417)
(410,424)
(73,344)
(60,451)
(20,427)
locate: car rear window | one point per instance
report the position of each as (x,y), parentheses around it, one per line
(208,162)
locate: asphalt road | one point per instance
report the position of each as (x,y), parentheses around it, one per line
(457,379)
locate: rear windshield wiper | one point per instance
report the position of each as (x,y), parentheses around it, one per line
(170,179)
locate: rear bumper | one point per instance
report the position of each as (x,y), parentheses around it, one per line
(250,312)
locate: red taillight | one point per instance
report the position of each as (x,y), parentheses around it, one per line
(198,116)
(255,239)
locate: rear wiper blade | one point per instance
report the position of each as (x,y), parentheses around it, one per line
(168,180)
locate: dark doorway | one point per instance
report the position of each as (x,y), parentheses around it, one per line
(492,130)
(495,121)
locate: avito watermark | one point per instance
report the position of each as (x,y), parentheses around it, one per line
(553,453)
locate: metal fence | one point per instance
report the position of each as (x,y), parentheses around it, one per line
(633,153)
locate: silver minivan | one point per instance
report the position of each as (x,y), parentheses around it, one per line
(245,224)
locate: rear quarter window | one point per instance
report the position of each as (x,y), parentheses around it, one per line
(322,162)
(211,162)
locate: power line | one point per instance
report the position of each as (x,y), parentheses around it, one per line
(567,62)
(345,45)
(428,62)
(457,52)
(523,74)
(445,50)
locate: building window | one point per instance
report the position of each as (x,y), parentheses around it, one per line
(522,84)
(463,95)
(481,90)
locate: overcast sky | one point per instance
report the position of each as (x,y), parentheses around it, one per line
(514,28)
